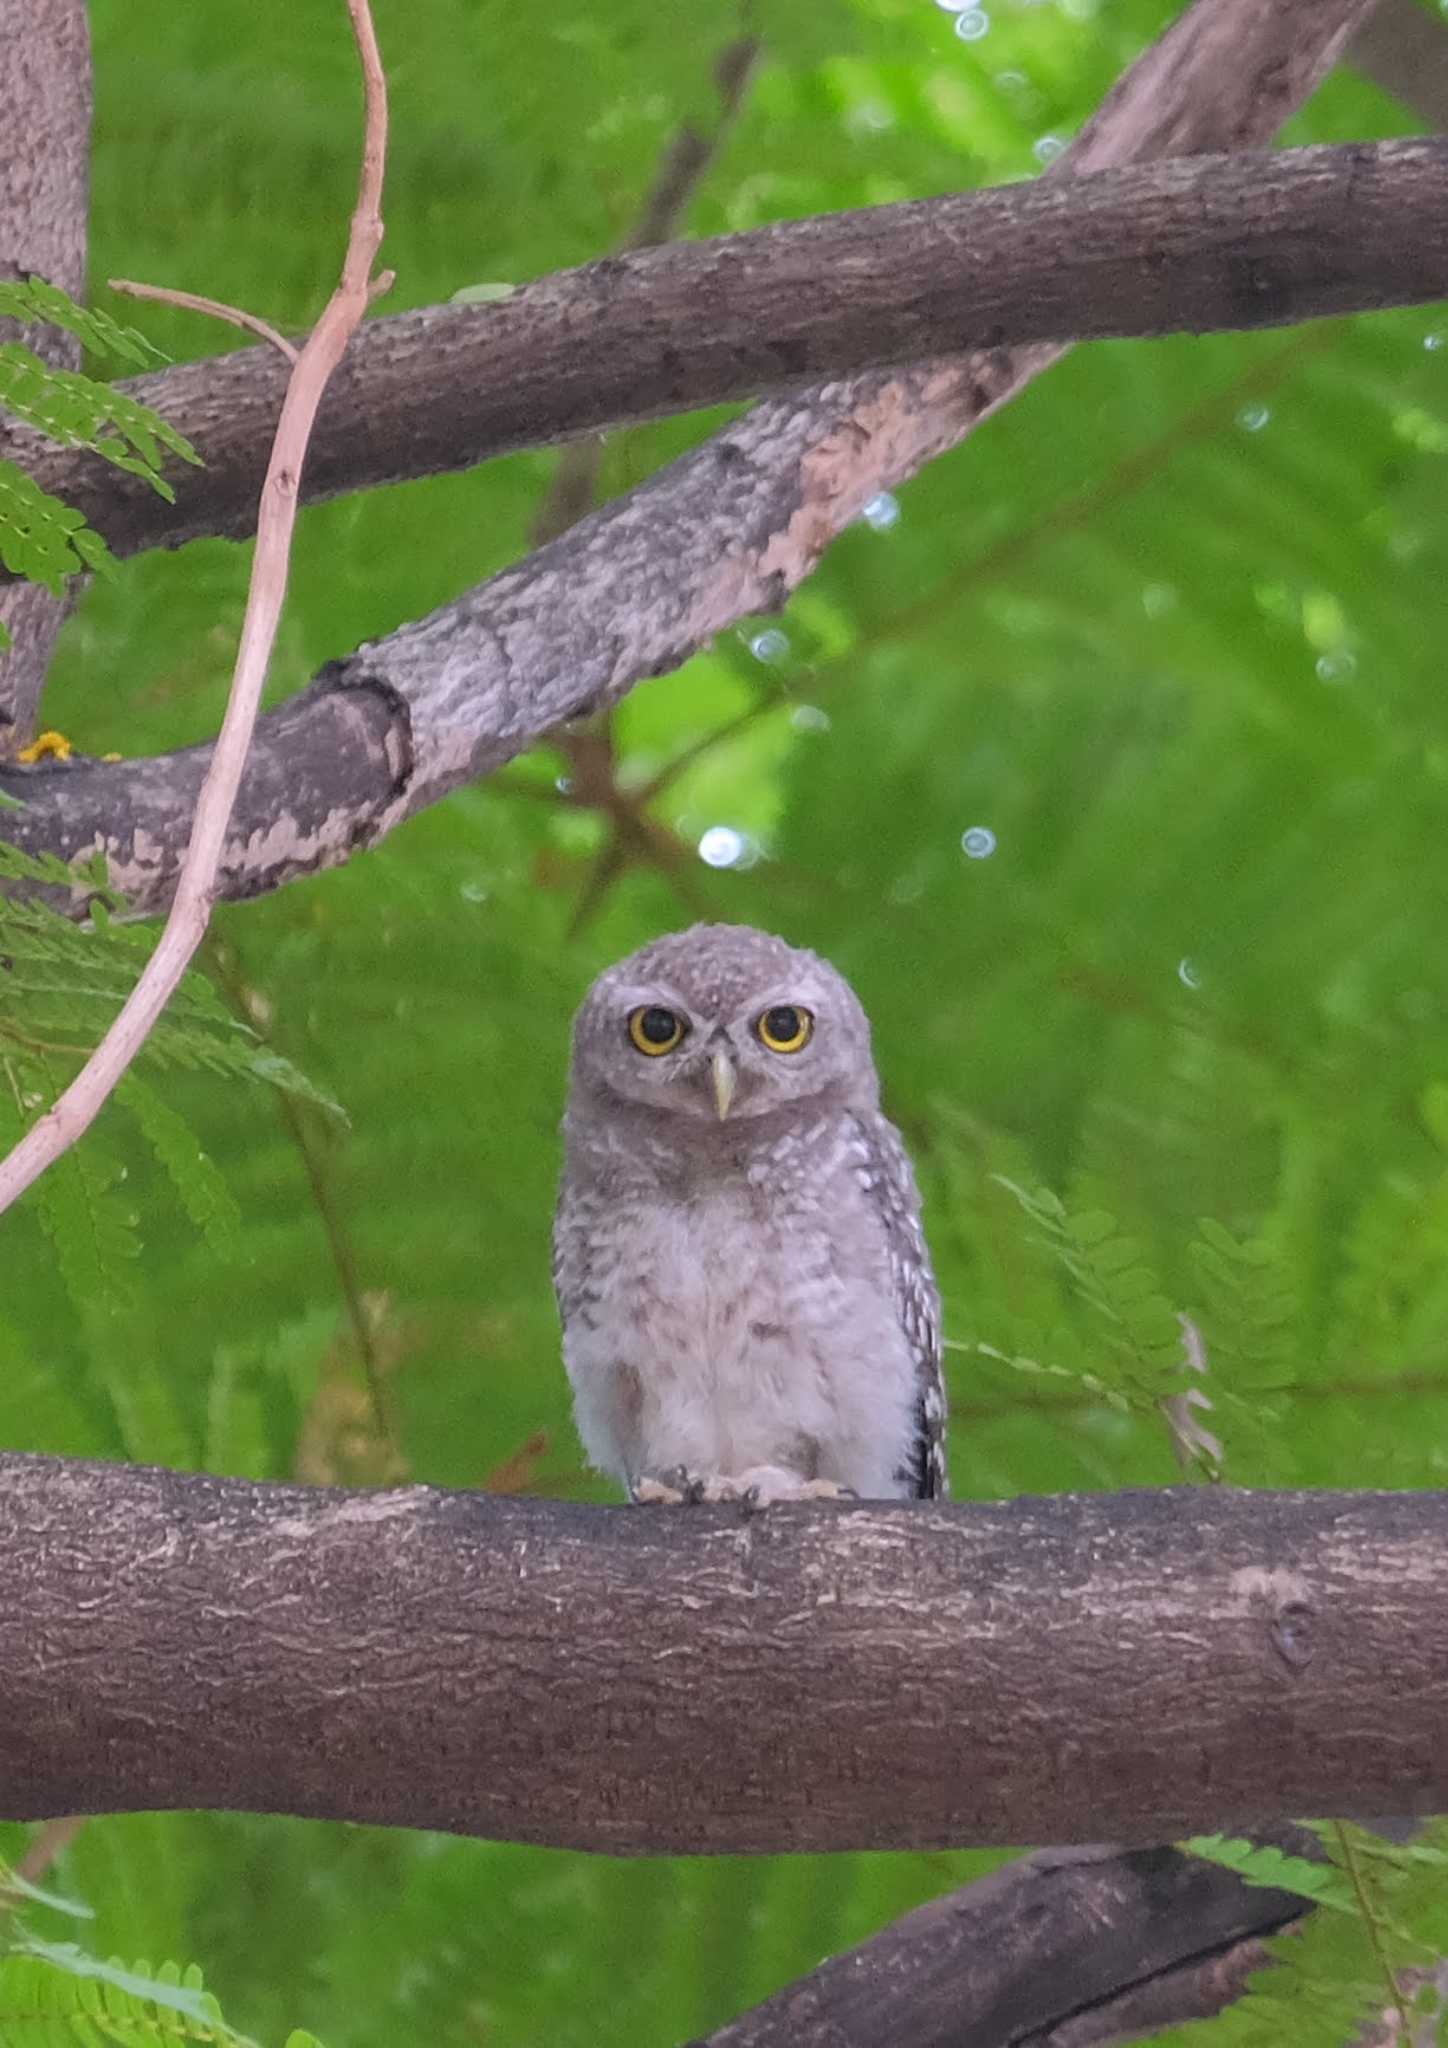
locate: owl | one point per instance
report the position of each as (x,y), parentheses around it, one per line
(747,1302)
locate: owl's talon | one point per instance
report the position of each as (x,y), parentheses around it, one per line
(677,1487)
(762,1485)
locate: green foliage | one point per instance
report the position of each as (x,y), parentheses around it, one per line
(1138,1325)
(35,299)
(61,985)
(78,412)
(41,537)
(54,1996)
(1168,629)
(1322,1884)
(1385,1927)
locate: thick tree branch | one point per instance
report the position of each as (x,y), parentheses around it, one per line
(45,94)
(1191,245)
(1051,1952)
(636,588)
(1135,1665)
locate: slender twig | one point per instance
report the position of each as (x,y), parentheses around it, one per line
(47,1845)
(190,912)
(49,1842)
(192,302)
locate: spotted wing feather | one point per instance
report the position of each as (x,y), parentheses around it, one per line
(889,1180)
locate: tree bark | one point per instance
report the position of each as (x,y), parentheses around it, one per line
(1404,50)
(1137,1665)
(45,92)
(1190,245)
(1052,1952)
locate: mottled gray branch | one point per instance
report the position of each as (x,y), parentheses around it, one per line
(1404,50)
(45,106)
(1195,245)
(1134,1666)
(635,589)
(1051,1952)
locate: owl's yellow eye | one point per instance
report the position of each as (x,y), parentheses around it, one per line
(785,1028)
(654,1029)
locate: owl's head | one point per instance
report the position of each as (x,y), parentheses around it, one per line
(721,1023)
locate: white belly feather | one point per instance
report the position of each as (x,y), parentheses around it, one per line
(720,1345)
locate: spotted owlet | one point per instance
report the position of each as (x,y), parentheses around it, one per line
(747,1301)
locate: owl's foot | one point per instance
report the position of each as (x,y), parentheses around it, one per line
(675,1488)
(758,1487)
(761,1485)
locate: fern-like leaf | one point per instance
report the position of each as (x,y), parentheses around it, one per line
(52,1993)
(1259,1863)
(61,985)
(1249,1311)
(79,412)
(199,1184)
(43,539)
(1112,1279)
(37,300)
(92,1232)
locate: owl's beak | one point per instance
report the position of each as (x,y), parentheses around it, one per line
(721,1072)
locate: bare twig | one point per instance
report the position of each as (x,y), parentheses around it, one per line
(192,302)
(49,1841)
(186,923)
(48,1844)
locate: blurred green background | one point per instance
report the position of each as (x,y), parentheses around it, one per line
(1109,759)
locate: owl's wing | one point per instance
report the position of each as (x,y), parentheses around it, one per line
(889,1180)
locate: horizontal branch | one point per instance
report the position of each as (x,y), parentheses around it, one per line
(1134,1666)
(632,591)
(1194,244)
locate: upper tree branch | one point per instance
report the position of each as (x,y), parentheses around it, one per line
(639,586)
(1404,49)
(1194,244)
(1137,1665)
(45,95)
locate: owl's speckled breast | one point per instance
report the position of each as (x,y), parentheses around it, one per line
(742,1327)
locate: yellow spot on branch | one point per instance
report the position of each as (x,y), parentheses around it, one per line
(46,746)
